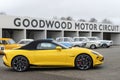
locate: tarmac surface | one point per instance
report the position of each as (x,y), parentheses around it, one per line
(110,70)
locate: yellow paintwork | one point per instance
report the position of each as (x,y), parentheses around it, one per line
(9,46)
(57,57)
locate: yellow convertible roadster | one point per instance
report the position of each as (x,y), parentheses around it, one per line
(48,53)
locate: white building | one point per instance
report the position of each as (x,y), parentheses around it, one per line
(25,27)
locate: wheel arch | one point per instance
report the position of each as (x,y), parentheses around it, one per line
(76,45)
(104,45)
(85,54)
(92,45)
(17,56)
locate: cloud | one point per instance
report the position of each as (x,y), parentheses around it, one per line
(75,8)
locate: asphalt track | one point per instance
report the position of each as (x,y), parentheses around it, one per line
(110,70)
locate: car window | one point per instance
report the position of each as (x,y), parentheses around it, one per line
(59,39)
(3,42)
(46,46)
(91,39)
(66,39)
(76,39)
(22,42)
(79,39)
(11,41)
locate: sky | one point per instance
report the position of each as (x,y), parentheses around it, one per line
(77,9)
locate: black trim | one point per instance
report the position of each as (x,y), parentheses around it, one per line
(32,45)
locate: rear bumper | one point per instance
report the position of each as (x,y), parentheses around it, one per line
(5,62)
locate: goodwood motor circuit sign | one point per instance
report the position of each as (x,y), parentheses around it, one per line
(64,25)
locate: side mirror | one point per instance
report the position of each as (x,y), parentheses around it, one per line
(59,48)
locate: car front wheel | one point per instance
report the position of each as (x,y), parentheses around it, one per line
(20,63)
(83,62)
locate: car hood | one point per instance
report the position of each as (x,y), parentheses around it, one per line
(77,49)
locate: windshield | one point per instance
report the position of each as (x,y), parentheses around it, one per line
(24,42)
(93,38)
(64,39)
(11,41)
(59,39)
(79,39)
(67,39)
(65,47)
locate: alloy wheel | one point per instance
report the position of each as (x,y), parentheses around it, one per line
(92,46)
(83,62)
(20,63)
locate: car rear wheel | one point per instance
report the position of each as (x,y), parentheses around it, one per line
(83,62)
(20,63)
(104,46)
(93,46)
(76,46)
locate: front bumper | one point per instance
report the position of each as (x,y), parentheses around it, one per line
(98,61)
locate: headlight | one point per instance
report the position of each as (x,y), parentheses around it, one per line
(94,52)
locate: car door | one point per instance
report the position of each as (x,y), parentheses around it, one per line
(47,54)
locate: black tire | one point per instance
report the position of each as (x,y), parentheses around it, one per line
(83,62)
(104,46)
(93,46)
(20,63)
(76,46)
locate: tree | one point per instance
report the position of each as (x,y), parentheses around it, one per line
(2,13)
(93,20)
(63,18)
(82,20)
(55,17)
(69,18)
(107,21)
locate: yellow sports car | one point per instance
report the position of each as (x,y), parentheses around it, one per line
(48,53)
(7,43)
